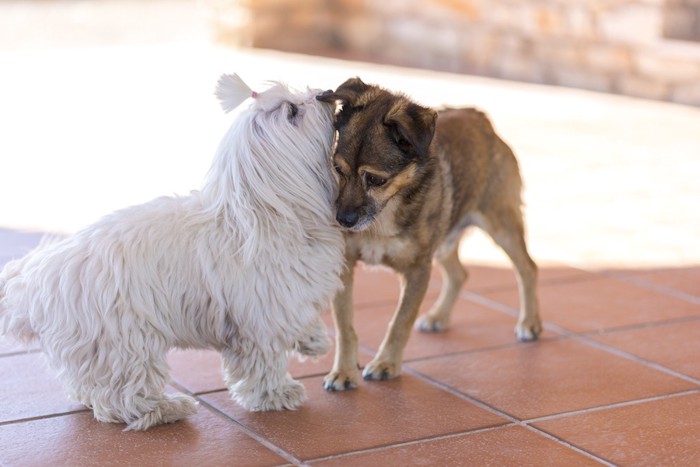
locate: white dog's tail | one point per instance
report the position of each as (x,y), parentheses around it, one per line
(14,315)
(13,323)
(232,91)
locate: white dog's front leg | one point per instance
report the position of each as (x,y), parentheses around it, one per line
(316,343)
(258,380)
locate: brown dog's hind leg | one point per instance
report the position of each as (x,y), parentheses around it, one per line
(508,232)
(387,363)
(453,276)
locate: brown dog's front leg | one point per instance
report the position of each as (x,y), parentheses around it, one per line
(387,363)
(346,369)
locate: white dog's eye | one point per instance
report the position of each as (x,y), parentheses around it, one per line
(292,112)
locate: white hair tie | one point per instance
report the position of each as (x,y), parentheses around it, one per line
(232,91)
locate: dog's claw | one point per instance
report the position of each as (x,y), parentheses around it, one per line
(528,333)
(339,382)
(328,387)
(428,324)
(380,372)
(383,376)
(527,337)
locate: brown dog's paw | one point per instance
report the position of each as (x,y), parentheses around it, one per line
(341,380)
(381,371)
(427,323)
(528,332)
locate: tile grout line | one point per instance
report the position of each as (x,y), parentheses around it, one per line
(253,434)
(581,337)
(614,405)
(505,415)
(621,353)
(640,282)
(554,281)
(569,445)
(478,350)
(257,437)
(411,443)
(578,275)
(44,417)
(637,327)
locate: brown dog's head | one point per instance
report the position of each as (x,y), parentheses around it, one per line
(382,150)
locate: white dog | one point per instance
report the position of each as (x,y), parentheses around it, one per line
(244,266)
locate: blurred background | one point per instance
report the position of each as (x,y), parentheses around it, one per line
(647,48)
(108,103)
(644,48)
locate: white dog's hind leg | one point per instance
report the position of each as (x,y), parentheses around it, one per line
(135,391)
(258,379)
(169,409)
(138,412)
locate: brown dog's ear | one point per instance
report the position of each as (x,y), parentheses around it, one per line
(347,93)
(412,127)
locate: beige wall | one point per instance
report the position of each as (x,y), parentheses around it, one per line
(604,45)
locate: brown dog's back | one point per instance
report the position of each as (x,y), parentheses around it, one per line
(482,168)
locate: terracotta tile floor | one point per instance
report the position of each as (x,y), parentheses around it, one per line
(611,193)
(614,381)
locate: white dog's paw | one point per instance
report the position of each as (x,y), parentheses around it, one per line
(171,408)
(341,380)
(316,345)
(427,323)
(290,396)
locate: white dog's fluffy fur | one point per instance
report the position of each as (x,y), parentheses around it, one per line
(244,266)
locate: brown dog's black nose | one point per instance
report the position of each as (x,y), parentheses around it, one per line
(347,218)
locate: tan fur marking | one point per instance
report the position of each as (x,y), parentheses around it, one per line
(373,170)
(395,184)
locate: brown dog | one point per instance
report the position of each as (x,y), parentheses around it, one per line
(411,180)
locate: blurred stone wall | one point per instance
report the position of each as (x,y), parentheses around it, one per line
(645,48)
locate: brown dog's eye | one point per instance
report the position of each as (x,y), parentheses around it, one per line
(339,170)
(374,180)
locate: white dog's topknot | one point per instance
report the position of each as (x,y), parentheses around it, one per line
(232,91)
